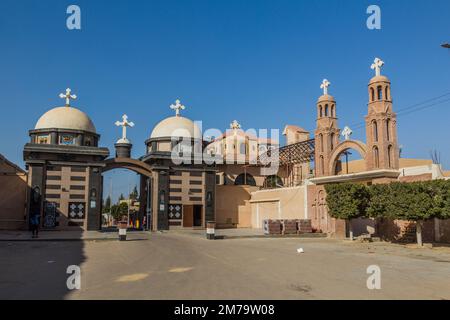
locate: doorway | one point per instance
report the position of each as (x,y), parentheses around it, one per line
(192,216)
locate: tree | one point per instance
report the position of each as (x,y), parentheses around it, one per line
(107,205)
(121,197)
(134,195)
(119,210)
(347,201)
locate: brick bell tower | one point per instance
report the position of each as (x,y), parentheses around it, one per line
(381,123)
(327,132)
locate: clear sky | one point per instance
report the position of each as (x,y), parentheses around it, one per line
(260,62)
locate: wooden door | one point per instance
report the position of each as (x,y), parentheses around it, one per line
(188,216)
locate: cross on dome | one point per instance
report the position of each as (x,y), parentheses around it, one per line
(67,96)
(177,107)
(235,125)
(325,84)
(124,124)
(376,65)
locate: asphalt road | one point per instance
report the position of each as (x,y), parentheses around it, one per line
(180,266)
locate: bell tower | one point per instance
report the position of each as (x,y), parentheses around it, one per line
(327,132)
(381,123)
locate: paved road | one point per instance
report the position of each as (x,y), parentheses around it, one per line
(181,266)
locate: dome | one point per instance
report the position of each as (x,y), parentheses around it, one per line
(65,118)
(379,79)
(176,126)
(325,97)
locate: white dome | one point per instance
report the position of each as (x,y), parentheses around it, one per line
(176,126)
(65,118)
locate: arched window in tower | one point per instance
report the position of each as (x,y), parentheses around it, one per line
(375,130)
(389,156)
(380,92)
(376,158)
(326,110)
(386,93)
(322,165)
(372,94)
(332,140)
(321,142)
(388,129)
(242,148)
(333,111)
(320,111)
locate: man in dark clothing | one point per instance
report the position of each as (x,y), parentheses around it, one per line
(34,222)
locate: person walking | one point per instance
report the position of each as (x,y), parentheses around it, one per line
(34,222)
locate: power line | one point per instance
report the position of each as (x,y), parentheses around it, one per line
(411,109)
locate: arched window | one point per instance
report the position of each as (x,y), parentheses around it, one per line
(273,181)
(386,93)
(245,179)
(326,110)
(322,165)
(380,92)
(372,94)
(390,156)
(242,148)
(333,113)
(388,129)
(321,142)
(376,158)
(375,130)
(320,111)
(332,141)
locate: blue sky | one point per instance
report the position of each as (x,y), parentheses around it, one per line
(260,62)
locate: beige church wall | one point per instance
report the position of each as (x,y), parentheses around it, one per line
(232,206)
(13,190)
(282,203)
(356,166)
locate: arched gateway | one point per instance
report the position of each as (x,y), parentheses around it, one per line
(65,166)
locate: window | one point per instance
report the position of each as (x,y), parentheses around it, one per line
(245,179)
(43,139)
(390,156)
(376,158)
(386,95)
(372,94)
(380,92)
(67,139)
(320,111)
(321,142)
(388,129)
(375,130)
(326,110)
(322,165)
(242,148)
(332,141)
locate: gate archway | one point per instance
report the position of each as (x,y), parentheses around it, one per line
(359,146)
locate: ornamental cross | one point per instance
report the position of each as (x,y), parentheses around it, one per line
(124,124)
(235,125)
(376,65)
(325,84)
(346,133)
(177,107)
(67,96)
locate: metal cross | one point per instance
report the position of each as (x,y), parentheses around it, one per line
(376,65)
(325,84)
(67,96)
(346,133)
(235,125)
(124,124)
(177,107)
